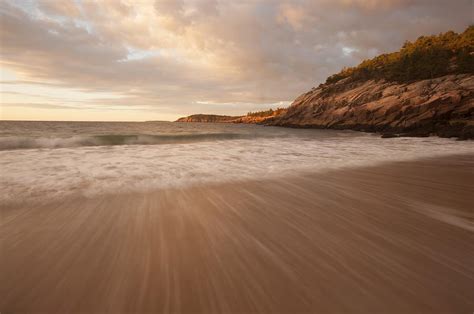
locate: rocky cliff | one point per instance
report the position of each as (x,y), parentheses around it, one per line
(442,106)
(425,88)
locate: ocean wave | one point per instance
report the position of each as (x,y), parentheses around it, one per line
(46,174)
(21,142)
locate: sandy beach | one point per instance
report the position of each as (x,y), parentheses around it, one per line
(392,238)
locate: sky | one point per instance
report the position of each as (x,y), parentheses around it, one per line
(138,60)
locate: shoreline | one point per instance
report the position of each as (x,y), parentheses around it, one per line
(395,237)
(363,128)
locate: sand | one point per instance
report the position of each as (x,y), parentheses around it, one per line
(393,238)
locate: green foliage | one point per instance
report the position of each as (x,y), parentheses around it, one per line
(266,113)
(427,57)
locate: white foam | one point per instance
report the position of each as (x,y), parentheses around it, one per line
(38,174)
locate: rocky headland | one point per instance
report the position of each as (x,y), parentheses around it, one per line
(426,88)
(443,106)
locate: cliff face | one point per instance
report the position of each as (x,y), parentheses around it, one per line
(442,106)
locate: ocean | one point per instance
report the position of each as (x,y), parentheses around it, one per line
(162,217)
(42,161)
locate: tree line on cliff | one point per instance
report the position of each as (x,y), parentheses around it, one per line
(266,113)
(427,57)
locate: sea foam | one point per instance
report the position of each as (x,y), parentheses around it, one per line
(45,174)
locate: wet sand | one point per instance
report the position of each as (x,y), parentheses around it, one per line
(394,238)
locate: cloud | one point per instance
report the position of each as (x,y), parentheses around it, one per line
(60,8)
(182,57)
(294,15)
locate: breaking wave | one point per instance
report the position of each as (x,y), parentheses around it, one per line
(16,142)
